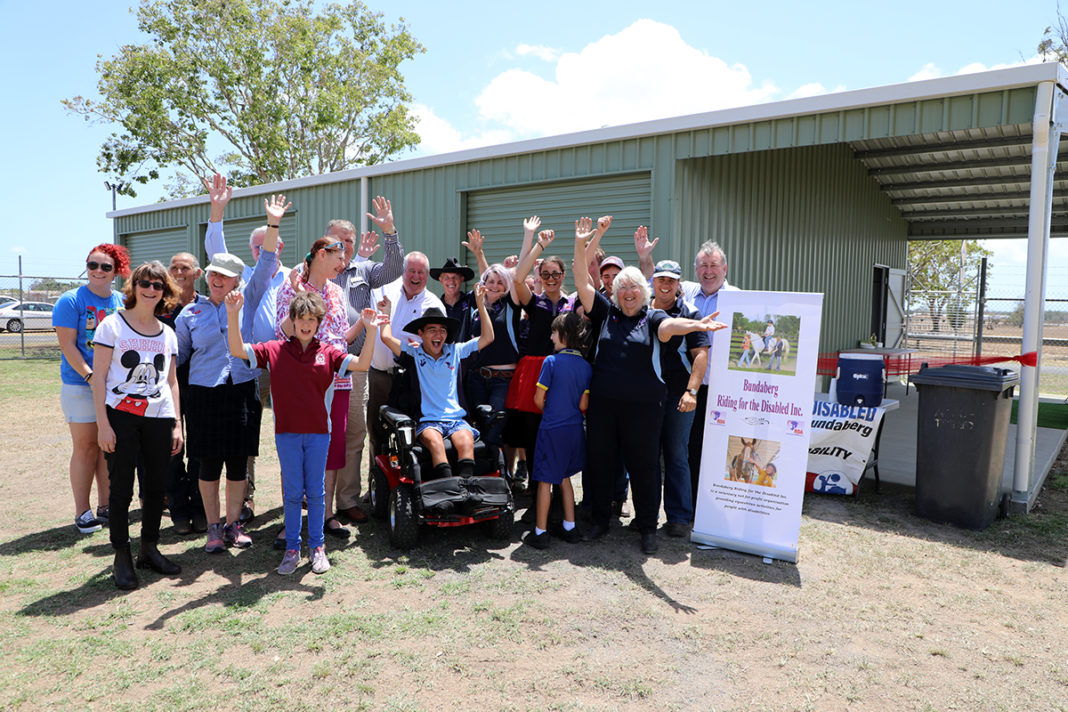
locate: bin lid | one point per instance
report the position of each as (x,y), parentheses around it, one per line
(955,375)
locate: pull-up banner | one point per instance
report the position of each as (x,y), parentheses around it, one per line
(755,454)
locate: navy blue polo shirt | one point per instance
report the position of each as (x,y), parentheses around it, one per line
(506,328)
(675,359)
(540,314)
(627,363)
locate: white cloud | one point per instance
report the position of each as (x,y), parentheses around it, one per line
(932,71)
(19,250)
(547,54)
(439,136)
(646,71)
(813,89)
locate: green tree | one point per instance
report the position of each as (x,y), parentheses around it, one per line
(286,89)
(940,272)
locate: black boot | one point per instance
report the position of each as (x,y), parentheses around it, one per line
(150,558)
(125,576)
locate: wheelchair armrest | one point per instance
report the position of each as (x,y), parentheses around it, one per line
(392,418)
(486,417)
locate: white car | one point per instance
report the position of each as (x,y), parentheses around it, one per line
(26,315)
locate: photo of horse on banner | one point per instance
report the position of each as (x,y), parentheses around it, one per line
(762,343)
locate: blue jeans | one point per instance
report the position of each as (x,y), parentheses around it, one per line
(675,449)
(303,460)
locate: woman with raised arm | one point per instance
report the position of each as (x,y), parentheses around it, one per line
(627,393)
(136,400)
(223,408)
(325,261)
(76,317)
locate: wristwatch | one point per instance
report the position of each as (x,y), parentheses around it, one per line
(692,392)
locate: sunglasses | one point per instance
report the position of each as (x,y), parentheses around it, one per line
(552,275)
(146,284)
(339,245)
(93,266)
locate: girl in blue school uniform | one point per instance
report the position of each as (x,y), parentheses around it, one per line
(563,392)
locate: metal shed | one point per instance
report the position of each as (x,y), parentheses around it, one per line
(817,194)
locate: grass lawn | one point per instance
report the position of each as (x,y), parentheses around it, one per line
(883,611)
(1050,415)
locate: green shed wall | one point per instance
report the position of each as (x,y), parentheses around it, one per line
(799,220)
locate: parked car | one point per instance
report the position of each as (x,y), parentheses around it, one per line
(29,315)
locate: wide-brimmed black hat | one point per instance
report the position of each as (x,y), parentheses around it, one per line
(453,266)
(433,315)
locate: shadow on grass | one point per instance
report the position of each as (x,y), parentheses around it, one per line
(1041,536)
(250,576)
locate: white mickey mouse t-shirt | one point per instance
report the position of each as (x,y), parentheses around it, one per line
(137,377)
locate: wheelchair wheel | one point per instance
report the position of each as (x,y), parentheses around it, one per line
(403,526)
(501,527)
(379,493)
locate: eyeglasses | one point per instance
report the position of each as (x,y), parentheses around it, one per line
(93,266)
(552,275)
(146,284)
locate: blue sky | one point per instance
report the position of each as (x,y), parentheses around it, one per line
(497,72)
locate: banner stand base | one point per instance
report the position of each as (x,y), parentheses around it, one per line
(762,549)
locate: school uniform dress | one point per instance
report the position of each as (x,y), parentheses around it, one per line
(561,443)
(140,409)
(675,364)
(623,422)
(223,411)
(303,387)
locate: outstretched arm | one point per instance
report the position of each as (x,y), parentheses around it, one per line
(519,282)
(603,223)
(385,332)
(677,326)
(585,290)
(644,248)
(474,243)
(530,226)
(383,215)
(234,302)
(486,337)
(219,194)
(371,320)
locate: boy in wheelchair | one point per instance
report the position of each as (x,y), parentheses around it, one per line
(436,362)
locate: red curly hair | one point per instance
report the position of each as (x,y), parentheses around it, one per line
(118,254)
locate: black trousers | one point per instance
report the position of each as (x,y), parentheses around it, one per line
(697,441)
(622,433)
(183,490)
(149,439)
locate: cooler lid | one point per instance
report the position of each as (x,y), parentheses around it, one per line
(956,375)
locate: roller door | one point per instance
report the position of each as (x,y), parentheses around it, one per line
(499,213)
(155,245)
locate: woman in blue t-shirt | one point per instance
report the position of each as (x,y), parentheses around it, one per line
(627,392)
(76,316)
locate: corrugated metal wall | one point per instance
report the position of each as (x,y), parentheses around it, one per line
(805,219)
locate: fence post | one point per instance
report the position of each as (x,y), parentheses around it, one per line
(22,313)
(981,308)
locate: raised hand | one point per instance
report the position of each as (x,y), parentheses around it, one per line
(296,280)
(480,294)
(474,241)
(511,261)
(583,229)
(532,224)
(603,223)
(234,301)
(219,194)
(372,319)
(276,207)
(368,244)
(383,215)
(384,305)
(642,246)
(545,238)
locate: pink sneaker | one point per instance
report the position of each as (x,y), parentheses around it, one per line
(234,535)
(215,544)
(320,564)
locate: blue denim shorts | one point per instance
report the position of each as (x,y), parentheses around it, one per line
(446,427)
(77,403)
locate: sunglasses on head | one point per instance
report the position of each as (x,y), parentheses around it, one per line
(93,266)
(339,245)
(146,284)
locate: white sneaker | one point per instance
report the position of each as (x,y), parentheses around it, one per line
(87,523)
(320,564)
(289,562)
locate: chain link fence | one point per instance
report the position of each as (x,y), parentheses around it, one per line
(26,303)
(971,320)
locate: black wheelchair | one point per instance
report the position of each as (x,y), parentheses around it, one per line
(405,487)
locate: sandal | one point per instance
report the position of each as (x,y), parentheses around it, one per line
(279,542)
(339,531)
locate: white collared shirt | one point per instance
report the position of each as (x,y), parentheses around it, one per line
(403,312)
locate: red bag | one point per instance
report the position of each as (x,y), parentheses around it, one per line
(524,382)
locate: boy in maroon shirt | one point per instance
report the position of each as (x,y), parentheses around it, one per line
(302,388)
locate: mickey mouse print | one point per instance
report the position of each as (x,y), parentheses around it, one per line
(137,375)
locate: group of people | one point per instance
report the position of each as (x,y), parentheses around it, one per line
(617,368)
